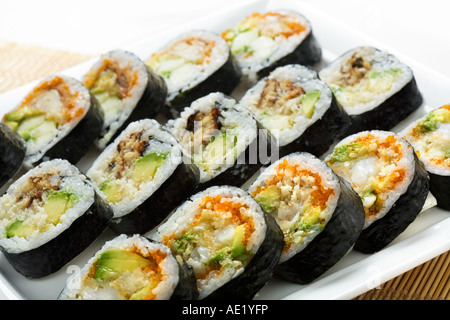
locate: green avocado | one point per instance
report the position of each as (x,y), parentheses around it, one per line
(309,102)
(147,165)
(238,247)
(111,190)
(17,228)
(113,262)
(57,203)
(269,198)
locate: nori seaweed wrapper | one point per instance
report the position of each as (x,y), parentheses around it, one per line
(439,187)
(176,189)
(405,210)
(12,153)
(258,271)
(186,288)
(54,254)
(331,244)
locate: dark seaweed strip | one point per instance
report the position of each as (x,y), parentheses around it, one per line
(186,288)
(12,153)
(332,244)
(404,211)
(53,255)
(307,53)
(390,112)
(319,137)
(77,142)
(225,80)
(440,188)
(176,189)
(150,104)
(259,270)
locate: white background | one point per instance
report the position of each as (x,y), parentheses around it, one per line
(417,28)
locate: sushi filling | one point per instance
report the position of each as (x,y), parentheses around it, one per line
(42,203)
(185,60)
(117,81)
(214,132)
(52,106)
(265,38)
(430,137)
(216,234)
(301,194)
(132,166)
(130,270)
(379,167)
(288,101)
(365,78)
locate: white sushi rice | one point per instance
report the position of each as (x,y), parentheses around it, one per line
(178,223)
(198,72)
(302,77)
(129,63)
(381,61)
(77,290)
(235,120)
(134,197)
(358,171)
(72,180)
(80,98)
(292,187)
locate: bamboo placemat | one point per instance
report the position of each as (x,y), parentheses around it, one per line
(20,64)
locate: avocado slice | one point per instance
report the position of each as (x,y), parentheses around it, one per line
(308,101)
(17,228)
(269,198)
(147,165)
(113,262)
(57,204)
(143,293)
(238,247)
(111,190)
(22,113)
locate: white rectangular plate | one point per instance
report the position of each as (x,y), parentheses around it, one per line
(356,273)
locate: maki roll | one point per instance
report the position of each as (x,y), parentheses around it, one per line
(218,136)
(265,41)
(49,216)
(224,235)
(430,137)
(374,87)
(320,215)
(194,64)
(298,109)
(132,268)
(142,176)
(57,119)
(392,183)
(126,90)
(12,153)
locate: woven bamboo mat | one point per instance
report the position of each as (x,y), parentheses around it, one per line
(20,64)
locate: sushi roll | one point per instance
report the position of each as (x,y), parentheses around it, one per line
(132,268)
(265,41)
(220,137)
(224,235)
(374,87)
(320,215)
(392,183)
(12,153)
(194,64)
(57,119)
(430,137)
(298,109)
(142,176)
(49,216)
(126,90)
